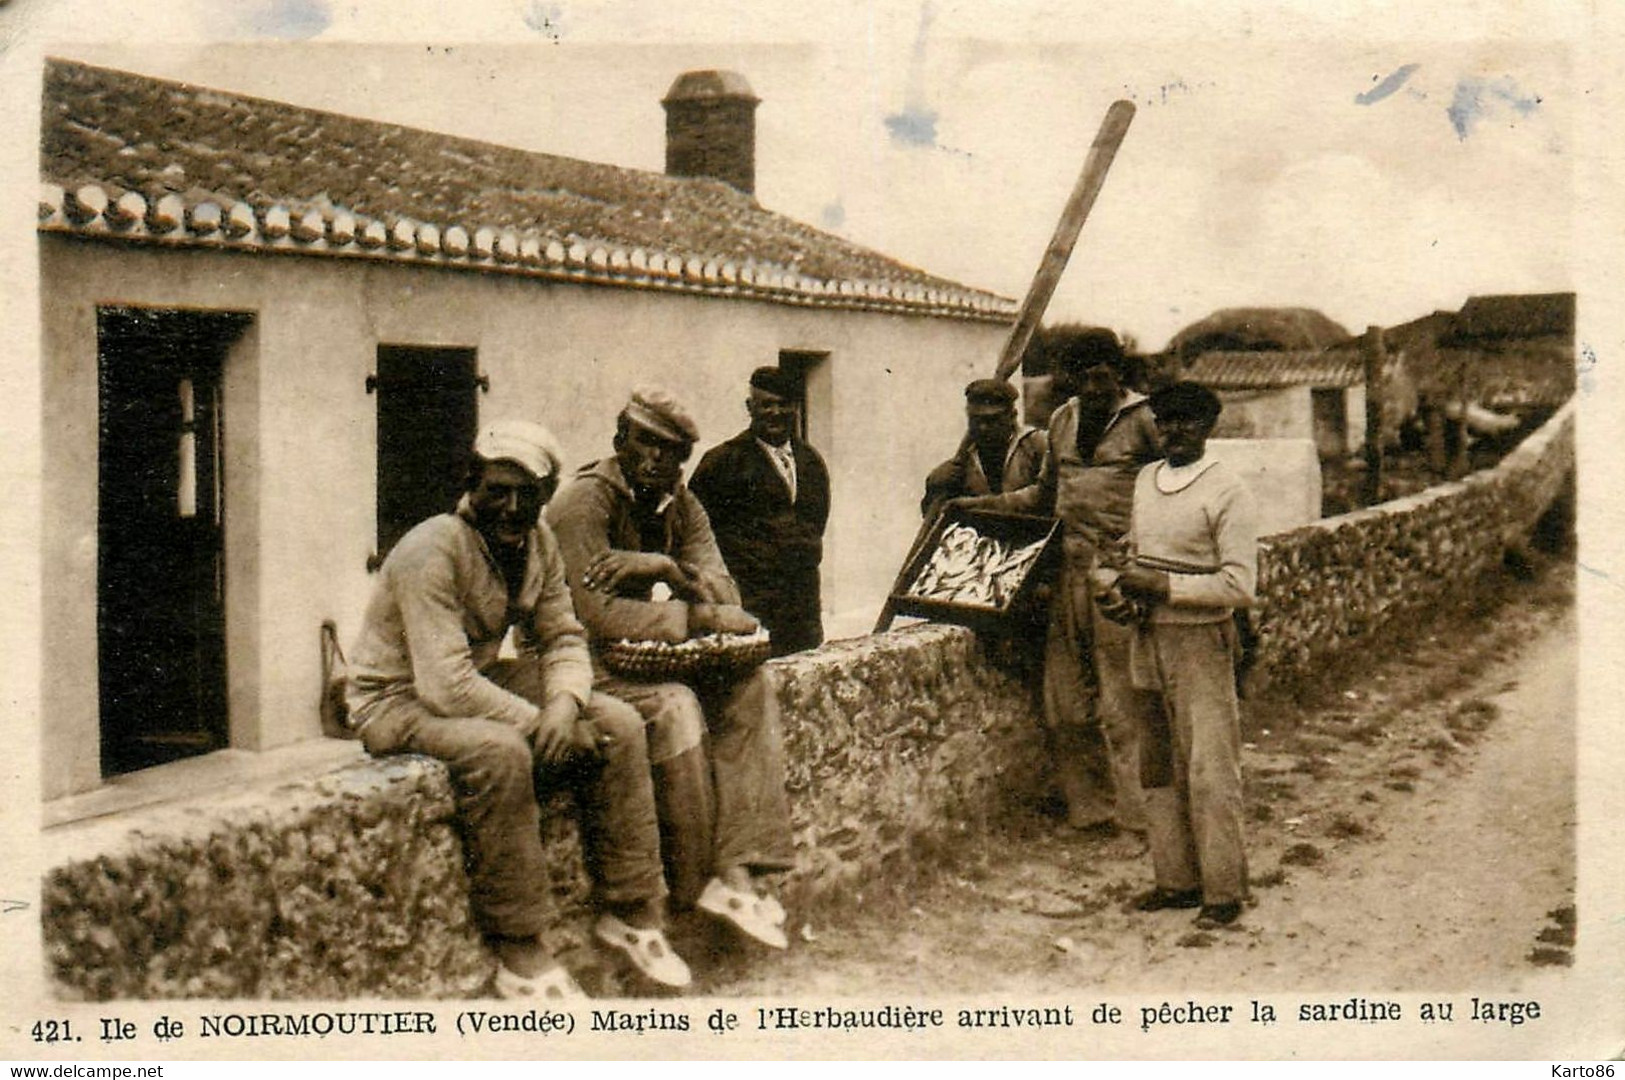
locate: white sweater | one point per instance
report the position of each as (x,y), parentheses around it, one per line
(1198,523)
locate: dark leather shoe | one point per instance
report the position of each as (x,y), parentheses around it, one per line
(1166,899)
(1214,916)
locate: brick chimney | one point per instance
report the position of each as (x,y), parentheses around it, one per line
(711,128)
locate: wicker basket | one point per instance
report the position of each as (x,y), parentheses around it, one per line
(711,656)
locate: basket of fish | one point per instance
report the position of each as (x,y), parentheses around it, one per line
(710,656)
(977,568)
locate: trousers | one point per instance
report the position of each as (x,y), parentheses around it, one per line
(498,782)
(1191,762)
(1092,710)
(717,753)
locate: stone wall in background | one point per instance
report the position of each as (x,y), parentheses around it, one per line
(1331,585)
(351,883)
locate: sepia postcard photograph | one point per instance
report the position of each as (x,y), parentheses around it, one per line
(900,530)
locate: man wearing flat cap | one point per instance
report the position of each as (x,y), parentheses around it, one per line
(1194,542)
(1098,441)
(426,678)
(767,494)
(998,453)
(643,565)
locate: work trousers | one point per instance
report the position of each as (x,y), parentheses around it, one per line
(1092,710)
(1191,761)
(498,778)
(718,757)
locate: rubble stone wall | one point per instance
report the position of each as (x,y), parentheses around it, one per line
(1329,586)
(352,884)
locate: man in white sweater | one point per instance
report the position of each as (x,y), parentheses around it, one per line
(1195,545)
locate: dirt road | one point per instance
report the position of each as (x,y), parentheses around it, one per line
(1412,830)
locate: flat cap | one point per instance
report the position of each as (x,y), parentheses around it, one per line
(1083,347)
(774,380)
(990,392)
(1186,400)
(527,444)
(654,409)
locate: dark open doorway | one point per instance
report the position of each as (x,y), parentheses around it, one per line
(160,564)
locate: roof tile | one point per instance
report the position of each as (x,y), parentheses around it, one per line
(124,132)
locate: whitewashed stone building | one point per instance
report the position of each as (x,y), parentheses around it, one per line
(268,333)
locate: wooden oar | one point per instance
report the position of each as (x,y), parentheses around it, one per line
(1076,212)
(1073,215)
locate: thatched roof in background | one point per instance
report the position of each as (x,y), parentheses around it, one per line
(1285,329)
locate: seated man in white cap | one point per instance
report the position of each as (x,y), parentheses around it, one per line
(626,524)
(426,678)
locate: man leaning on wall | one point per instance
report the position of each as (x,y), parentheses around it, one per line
(426,678)
(998,453)
(1098,441)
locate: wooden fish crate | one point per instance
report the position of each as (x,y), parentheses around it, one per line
(1015,531)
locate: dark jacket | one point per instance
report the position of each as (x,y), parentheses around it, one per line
(772,547)
(963,474)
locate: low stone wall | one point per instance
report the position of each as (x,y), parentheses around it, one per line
(351,883)
(1328,587)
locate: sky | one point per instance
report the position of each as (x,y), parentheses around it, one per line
(1283,161)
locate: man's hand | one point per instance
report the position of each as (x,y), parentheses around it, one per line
(613,568)
(1144,584)
(555,734)
(970,502)
(720,619)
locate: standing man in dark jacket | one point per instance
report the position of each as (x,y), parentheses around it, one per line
(767,494)
(998,453)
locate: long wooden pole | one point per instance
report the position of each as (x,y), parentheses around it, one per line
(1073,215)
(1375,364)
(1065,238)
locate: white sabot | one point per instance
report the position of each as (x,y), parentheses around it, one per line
(751,914)
(554,984)
(648,950)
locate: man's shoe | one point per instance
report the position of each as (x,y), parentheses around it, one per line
(1160,899)
(1215,916)
(648,950)
(554,984)
(745,910)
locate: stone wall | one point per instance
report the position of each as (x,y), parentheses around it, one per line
(351,883)
(1329,586)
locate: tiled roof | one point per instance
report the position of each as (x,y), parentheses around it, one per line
(1527,315)
(1264,370)
(139,159)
